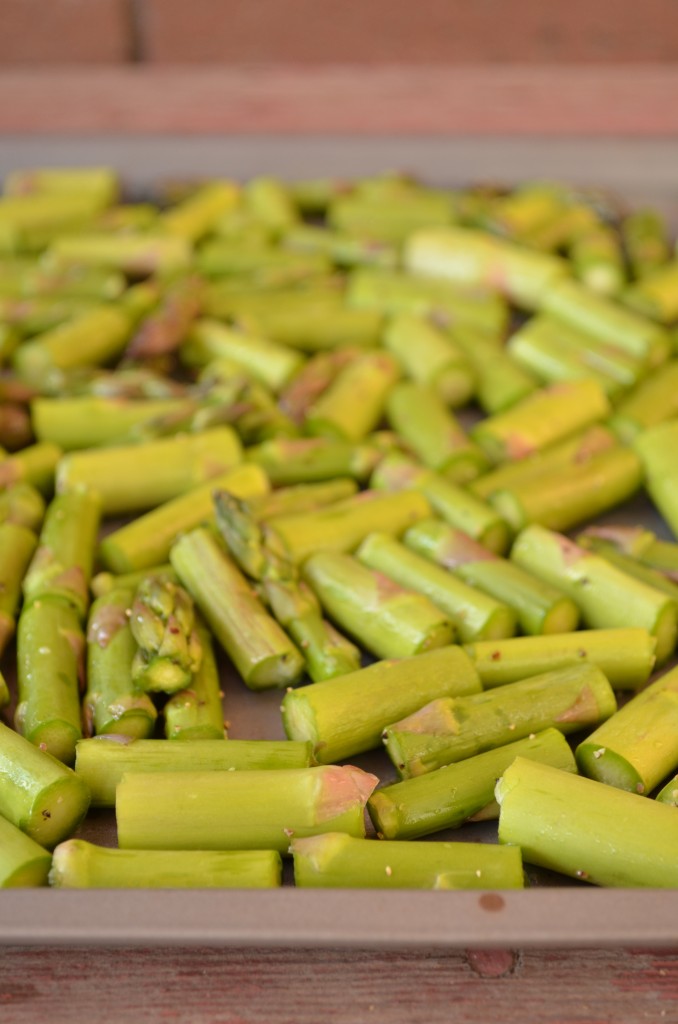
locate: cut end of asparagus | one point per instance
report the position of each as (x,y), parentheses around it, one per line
(298,717)
(342,788)
(604,765)
(58,811)
(563,617)
(57,738)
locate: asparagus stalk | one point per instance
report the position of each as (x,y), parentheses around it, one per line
(452,729)
(461,792)
(102,762)
(669,793)
(269,362)
(17,547)
(452,503)
(641,545)
(254,259)
(164,329)
(500,381)
(26,277)
(588,831)
(345,250)
(251,810)
(62,564)
(132,478)
(136,255)
(656,448)
(39,794)
(34,465)
(261,652)
(638,746)
(100,185)
(654,401)
(525,210)
(539,607)
(430,358)
(541,419)
(162,622)
(195,216)
(91,421)
(311,460)
(564,497)
(146,542)
(625,656)
(341,527)
(23,862)
(433,434)
(302,498)
(4,692)
(50,652)
(387,619)
(598,261)
(23,505)
(104,582)
(645,240)
(335,860)
(656,295)
(78,864)
(606,596)
(474,614)
(311,380)
(354,403)
(271,203)
(112,703)
(346,716)
(593,542)
(196,713)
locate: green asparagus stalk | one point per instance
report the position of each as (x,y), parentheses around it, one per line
(163,624)
(642,545)
(196,713)
(136,255)
(146,542)
(261,652)
(656,295)
(469,257)
(25,277)
(34,465)
(335,860)
(500,381)
(606,596)
(346,716)
(253,258)
(195,216)
(17,547)
(88,422)
(452,729)
(592,541)
(164,329)
(654,401)
(50,654)
(345,250)
(387,619)
(268,362)
(525,210)
(432,433)
(78,864)
(429,357)
(647,246)
(99,184)
(104,582)
(387,221)
(62,565)
(638,746)
(23,505)
(271,203)
(251,810)
(474,614)
(102,762)
(133,478)
(39,794)
(656,448)
(301,498)
(23,862)
(625,656)
(540,608)
(452,503)
(313,459)
(576,450)
(4,692)
(669,793)
(607,321)
(541,419)
(588,831)
(112,704)
(341,527)
(312,379)
(570,495)
(598,261)
(461,792)
(29,222)
(354,403)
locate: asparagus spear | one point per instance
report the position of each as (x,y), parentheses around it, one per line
(17,547)
(647,246)
(195,215)
(39,794)
(88,422)
(474,614)
(34,465)
(103,761)
(345,250)
(301,498)
(452,503)
(104,582)
(78,864)
(598,261)
(147,541)
(335,860)
(654,401)
(586,830)
(354,402)
(164,329)
(312,379)
(638,746)
(669,793)
(540,608)
(251,810)
(625,656)
(62,565)
(196,713)
(429,357)
(640,544)
(136,255)
(432,433)
(606,596)
(656,294)
(22,861)
(50,651)
(307,460)
(4,692)
(593,542)
(112,704)
(271,203)
(656,448)
(132,478)
(268,362)
(23,505)
(261,652)
(162,622)
(454,728)
(461,792)
(346,716)
(387,619)
(99,184)
(500,381)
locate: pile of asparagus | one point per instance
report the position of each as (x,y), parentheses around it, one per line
(255,389)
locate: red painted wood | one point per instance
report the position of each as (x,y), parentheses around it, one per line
(477,100)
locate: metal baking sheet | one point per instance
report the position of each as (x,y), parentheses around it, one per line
(555,912)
